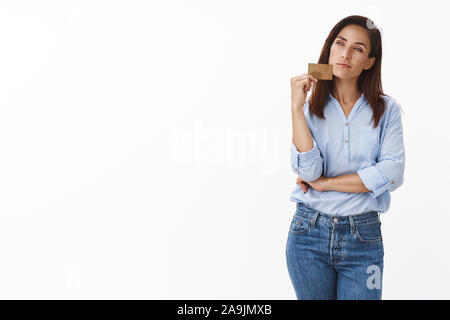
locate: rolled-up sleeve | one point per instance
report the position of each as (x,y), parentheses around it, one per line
(308,165)
(387,173)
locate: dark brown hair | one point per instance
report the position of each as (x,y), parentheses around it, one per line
(369,81)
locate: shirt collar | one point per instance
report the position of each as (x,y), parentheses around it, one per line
(361,101)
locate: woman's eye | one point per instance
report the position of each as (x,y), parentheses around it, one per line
(341,43)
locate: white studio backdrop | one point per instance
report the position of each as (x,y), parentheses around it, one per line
(144,146)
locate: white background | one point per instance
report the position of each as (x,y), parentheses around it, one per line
(144,146)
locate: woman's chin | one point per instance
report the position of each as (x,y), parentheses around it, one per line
(340,76)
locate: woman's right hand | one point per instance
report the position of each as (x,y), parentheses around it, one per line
(300,85)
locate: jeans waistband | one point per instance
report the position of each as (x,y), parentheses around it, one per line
(304,209)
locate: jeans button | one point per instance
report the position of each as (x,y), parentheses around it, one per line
(335,220)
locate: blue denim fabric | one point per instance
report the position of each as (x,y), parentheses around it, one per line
(335,257)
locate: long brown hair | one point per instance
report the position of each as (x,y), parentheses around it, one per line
(369,81)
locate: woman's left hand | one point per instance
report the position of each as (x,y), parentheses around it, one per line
(320,184)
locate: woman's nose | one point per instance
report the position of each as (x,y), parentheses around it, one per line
(346,54)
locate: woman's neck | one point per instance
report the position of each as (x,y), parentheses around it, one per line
(346,91)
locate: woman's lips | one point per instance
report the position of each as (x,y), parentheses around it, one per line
(343,65)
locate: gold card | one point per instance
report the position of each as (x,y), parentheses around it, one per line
(321,71)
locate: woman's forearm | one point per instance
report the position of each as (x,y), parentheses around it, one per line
(301,136)
(347,183)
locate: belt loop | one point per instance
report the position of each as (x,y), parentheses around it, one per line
(314,219)
(352,225)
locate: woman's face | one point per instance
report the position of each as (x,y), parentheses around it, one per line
(351,47)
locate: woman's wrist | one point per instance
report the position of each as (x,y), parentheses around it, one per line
(329,184)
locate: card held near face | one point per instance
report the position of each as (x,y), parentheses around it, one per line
(321,71)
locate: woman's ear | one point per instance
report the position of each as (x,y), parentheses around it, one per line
(369,63)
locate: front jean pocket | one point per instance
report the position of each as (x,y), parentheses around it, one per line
(299,225)
(369,232)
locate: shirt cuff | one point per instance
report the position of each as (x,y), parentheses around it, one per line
(373,180)
(307,158)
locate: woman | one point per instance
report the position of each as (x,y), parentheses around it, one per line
(348,152)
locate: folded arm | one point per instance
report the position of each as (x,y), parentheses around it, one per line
(347,183)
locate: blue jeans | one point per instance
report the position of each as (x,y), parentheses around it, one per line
(335,257)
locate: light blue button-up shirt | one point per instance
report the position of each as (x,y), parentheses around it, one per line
(350,145)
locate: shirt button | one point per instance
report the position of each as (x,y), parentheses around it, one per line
(346,124)
(346,141)
(335,219)
(392,182)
